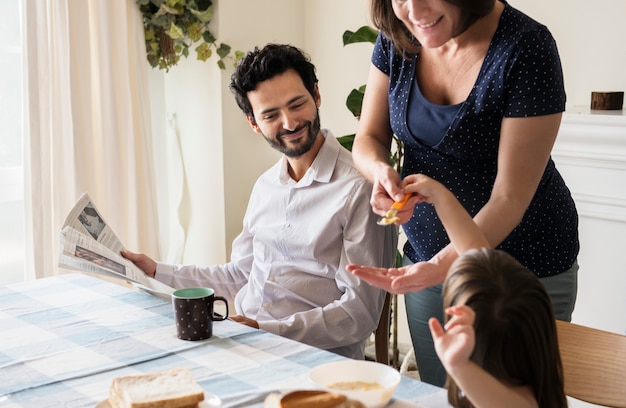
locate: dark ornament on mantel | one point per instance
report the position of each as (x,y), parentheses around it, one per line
(607,100)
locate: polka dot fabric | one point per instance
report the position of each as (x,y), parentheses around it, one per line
(521,76)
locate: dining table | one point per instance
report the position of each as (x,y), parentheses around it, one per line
(64,338)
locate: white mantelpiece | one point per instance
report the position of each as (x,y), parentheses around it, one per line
(590,153)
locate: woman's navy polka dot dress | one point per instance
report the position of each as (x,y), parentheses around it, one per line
(521,76)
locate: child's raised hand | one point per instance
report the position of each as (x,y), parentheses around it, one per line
(424,188)
(454,343)
(464,233)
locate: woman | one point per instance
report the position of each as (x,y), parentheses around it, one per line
(474,89)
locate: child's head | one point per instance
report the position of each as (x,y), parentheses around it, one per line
(516,339)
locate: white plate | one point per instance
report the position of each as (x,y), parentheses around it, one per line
(386,377)
(399,403)
(210,401)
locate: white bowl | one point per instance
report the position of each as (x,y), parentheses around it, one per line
(358,373)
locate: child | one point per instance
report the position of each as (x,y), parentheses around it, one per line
(499,343)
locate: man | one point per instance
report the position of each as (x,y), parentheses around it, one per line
(307,218)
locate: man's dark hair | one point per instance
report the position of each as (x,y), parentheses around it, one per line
(262,64)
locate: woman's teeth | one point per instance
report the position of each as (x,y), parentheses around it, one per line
(432,23)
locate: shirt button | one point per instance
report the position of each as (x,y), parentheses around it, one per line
(266,305)
(287,258)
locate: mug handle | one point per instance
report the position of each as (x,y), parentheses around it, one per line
(216,316)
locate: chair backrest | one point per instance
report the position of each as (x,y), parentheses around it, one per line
(594,364)
(381,335)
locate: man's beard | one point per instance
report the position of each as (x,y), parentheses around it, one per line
(303,146)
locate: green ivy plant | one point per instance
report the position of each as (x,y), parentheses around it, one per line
(172,27)
(354,101)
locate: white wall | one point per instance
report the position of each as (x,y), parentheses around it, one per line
(590,36)
(340,69)
(222,156)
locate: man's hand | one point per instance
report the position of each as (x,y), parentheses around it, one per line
(143,262)
(245,320)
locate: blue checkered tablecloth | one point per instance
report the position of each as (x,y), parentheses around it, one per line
(63,339)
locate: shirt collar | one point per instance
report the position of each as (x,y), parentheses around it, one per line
(321,169)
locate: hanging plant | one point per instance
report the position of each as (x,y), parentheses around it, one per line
(172,27)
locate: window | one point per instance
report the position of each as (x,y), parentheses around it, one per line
(11,150)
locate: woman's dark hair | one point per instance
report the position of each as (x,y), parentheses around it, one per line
(262,64)
(385,20)
(516,337)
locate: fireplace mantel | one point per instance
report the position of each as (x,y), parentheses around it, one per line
(590,152)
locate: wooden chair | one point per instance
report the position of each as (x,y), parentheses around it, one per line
(381,334)
(594,364)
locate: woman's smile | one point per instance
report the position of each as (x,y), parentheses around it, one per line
(429,24)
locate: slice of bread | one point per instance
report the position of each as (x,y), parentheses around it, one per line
(174,388)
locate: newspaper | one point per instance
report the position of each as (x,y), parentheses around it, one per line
(88,244)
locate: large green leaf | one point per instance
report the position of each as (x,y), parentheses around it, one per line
(204,16)
(363,34)
(175,32)
(194,31)
(354,101)
(203,52)
(346,141)
(223,50)
(208,37)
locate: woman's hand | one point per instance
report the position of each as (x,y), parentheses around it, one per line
(387,188)
(410,278)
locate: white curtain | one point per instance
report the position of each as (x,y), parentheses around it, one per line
(88,124)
